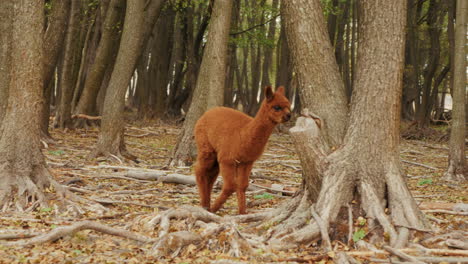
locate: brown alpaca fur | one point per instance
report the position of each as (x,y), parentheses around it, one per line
(230,141)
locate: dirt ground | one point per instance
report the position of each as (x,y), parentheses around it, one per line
(100,179)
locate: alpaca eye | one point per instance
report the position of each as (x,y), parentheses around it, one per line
(277,107)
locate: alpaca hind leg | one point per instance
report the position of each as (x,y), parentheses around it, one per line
(242,184)
(229,186)
(212,175)
(205,171)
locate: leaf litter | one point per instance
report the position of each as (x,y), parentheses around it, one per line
(130,200)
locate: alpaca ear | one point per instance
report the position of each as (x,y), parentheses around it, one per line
(269,93)
(280,90)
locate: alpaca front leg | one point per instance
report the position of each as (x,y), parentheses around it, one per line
(229,185)
(243,175)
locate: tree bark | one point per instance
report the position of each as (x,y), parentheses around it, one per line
(366,167)
(324,96)
(23,172)
(210,82)
(6,9)
(457,170)
(111,137)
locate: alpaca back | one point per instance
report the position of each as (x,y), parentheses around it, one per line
(220,128)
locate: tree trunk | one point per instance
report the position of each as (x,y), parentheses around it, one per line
(424,110)
(457,170)
(268,50)
(6,9)
(53,43)
(23,172)
(284,67)
(88,52)
(411,74)
(111,137)
(210,82)
(67,80)
(366,167)
(324,96)
(87,102)
(160,59)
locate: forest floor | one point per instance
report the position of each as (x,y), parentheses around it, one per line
(128,199)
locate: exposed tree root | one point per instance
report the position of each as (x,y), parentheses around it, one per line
(30,189)
(60,232)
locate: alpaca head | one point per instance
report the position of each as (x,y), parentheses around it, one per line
(277,105)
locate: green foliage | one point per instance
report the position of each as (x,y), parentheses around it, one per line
(359,235)
(56,152)
(424,182)
(46,209)
(264,196)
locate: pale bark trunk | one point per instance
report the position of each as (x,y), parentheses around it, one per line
(210,82)
(325,95)
(457,161)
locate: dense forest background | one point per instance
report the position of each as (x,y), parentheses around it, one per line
(83,40)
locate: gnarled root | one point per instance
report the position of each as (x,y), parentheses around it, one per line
(28,189)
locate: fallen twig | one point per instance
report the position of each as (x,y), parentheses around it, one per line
(419,164)
(88,117)
(442,211)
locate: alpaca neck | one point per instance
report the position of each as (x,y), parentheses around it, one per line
(259,129)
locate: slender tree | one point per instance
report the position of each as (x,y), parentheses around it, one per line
(111,137)
(87,101)
(67,80)
(457,160)
(210,82)
(53,43)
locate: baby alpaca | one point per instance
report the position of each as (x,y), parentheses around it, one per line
(230,141)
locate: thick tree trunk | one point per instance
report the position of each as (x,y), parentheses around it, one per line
(324,96)
(210,82)
(457,169)
(6,9)
(366,167)
(111,137)
(23,172)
